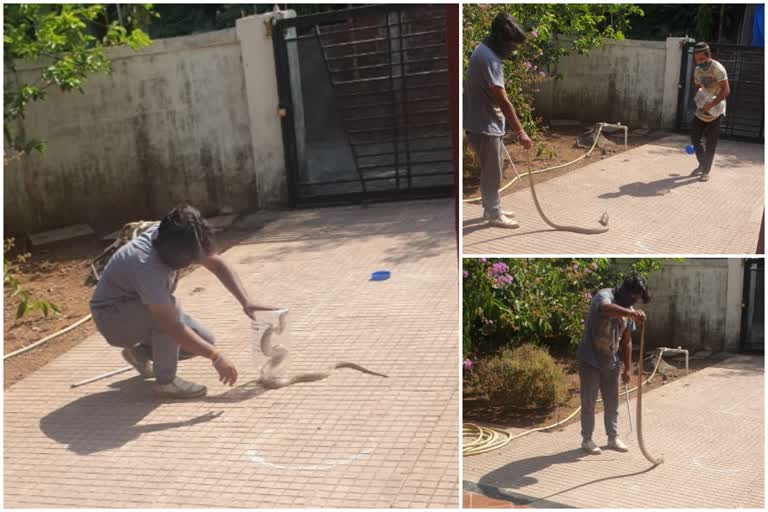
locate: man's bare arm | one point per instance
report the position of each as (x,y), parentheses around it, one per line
(502,101)
(616,311)
(229,278)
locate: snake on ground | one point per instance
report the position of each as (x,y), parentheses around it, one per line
(559,227)
(278,354)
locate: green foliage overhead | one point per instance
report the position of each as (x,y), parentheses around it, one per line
(554,30)
(69,40)
(183,19)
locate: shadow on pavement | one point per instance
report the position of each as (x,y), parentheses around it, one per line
(108,420)
(516,474)
(651,189)
(604,479)
(426,229)
(245,391)
(472,225)
(729,154)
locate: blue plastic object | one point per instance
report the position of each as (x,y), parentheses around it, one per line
(380,275)
(689,149)
(758,29)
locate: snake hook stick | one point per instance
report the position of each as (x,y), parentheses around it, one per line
(639,414)
(574,229)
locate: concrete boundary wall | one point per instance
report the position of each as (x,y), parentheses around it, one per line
(630,81)
(696,303)
(191,118)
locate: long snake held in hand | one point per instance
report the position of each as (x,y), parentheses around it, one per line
(278,354)
(653,460)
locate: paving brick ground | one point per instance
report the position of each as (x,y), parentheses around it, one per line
(352,440)
(708,427)
(654,207)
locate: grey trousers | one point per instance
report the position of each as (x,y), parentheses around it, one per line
(488,150)
(129,323)
(607,381)
(708,133)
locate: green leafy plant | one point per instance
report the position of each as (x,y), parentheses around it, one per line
(525,376)
(69,39)
(13,288)
(508,302)
(554,30)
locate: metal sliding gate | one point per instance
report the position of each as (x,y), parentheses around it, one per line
(745,65)
(364,95)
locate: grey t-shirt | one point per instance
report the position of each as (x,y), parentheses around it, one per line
(481,115)
(600,342)
(136,272)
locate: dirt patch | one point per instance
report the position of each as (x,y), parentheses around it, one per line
(61,274)
(559,147)
(479,410)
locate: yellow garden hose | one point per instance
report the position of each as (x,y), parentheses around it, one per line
(47,338)
(477,439)
(518,177)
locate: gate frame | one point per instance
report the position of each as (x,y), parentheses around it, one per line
(286,112)
(749,274)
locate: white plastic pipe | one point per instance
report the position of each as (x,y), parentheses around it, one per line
(618,126)
(675,351)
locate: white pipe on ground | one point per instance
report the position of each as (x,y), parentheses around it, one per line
(675,351)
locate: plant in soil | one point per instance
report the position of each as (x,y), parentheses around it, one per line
(522,377)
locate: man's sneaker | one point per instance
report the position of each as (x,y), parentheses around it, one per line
(137,357)
(502,221)
(180,388)
(704,177)
(697,170)
(617,444)
(506,213)
(591,448)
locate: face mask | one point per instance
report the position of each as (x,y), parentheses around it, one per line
(504,50)
(624,299)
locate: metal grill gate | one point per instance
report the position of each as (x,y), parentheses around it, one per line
(365,99)
(744,117)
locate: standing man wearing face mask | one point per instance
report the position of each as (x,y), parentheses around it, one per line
(486,107)
(134,308)
(711,82)
(607,332)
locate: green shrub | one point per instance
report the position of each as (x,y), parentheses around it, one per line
(526,376)
(511,301)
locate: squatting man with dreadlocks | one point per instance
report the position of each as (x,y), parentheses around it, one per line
(607,332)
(134,308)
(486,106)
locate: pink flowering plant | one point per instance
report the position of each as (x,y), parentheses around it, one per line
(544,301)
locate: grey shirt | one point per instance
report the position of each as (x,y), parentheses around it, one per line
(600,342)
(481,115)
(136,272)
